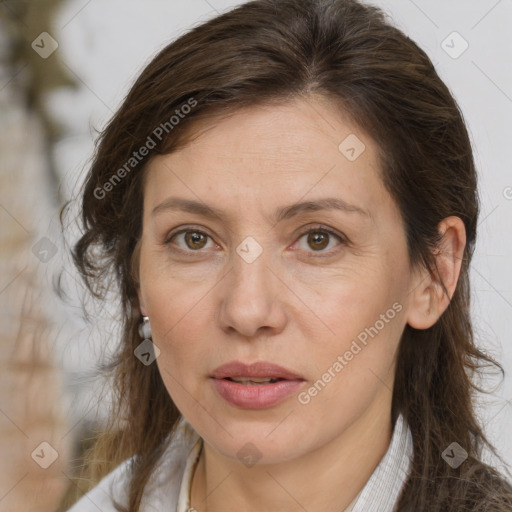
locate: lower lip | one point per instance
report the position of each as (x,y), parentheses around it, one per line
(256,396)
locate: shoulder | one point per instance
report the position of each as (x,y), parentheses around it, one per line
(161,491)
(489,490)
(111,488)
(473,487)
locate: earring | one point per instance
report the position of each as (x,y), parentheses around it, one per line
(145,328)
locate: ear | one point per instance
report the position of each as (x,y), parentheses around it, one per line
(428,297)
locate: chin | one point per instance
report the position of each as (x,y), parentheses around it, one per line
(257,441)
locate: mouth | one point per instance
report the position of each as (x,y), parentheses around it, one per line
(260,372)
(253,381)
(255,386)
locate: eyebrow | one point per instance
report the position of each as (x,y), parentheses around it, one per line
(280,214)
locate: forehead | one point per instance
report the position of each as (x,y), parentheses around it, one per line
(301,129)
(287,152)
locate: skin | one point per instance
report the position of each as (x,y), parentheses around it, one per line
(299,304)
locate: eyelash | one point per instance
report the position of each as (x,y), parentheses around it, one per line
(319,228)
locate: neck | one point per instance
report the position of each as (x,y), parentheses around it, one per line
(327,479)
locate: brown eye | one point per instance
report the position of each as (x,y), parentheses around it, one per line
(318,240)
(191,240)
(195,239)
(322,241)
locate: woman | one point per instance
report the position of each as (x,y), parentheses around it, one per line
(287,200)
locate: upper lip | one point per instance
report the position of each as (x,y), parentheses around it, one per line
(260,369)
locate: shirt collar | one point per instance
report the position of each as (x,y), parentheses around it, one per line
(385,484)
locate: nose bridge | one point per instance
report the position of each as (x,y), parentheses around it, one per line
(250,266)
(249,294)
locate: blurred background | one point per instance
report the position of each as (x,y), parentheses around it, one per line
(65,66)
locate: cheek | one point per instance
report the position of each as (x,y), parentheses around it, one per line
(180,330)
(356,364)
(363,330)
(362,319)
(172,293)
(178,311)
(345,304)
(178,318)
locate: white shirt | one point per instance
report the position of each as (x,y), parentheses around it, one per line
(168,489)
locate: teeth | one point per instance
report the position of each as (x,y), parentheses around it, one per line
(253,380)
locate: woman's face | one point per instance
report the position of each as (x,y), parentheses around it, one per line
(321,291)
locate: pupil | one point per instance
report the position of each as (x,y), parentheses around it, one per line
(316,237)
(194,238)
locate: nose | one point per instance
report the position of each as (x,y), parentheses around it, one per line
(250,302)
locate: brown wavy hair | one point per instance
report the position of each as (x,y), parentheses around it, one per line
(265,52)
